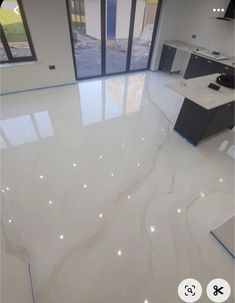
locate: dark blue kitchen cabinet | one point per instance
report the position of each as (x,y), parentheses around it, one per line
(224,69)
(167,58)
(199,66)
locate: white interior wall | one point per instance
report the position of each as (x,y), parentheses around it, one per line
(210,32)
(48,24)
(182,18)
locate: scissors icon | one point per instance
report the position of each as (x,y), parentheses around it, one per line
(217,290)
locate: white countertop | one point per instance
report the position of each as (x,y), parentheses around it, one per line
(192,48)
(197,90)
(188,47)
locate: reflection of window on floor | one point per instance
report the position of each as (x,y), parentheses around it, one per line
(15,43)
(24,129)
(110,98)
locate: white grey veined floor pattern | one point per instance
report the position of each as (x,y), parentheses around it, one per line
(104,199)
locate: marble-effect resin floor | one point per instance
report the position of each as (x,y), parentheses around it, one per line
(105,200)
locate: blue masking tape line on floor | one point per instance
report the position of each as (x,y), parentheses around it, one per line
(221,243)
(185,138)
(33,89)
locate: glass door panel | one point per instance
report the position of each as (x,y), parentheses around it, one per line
(86,35)
(117,32)
(143,32)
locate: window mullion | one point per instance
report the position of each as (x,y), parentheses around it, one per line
(6,45)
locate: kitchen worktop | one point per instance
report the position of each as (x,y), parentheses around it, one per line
(197,90)
(196,49)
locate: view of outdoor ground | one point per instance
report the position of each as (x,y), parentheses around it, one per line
(14,31)
(87,35)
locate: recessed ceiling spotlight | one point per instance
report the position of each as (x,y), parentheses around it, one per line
(41,177)
(112,174)
(9,221)
(100,157)
(138,164)
(3,190)
(85,186)
(214,9)
(7,188)
(222,9)
(146,301)
(100,215)
(61,237)
(119,253)
(152,228)
(50,202)
(221,180)
(74,164)
(143,138)
(122,145)
(128,197)
(218,9)
(202,194)
(179,210)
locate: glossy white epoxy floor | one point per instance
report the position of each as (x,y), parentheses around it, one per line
(106,201)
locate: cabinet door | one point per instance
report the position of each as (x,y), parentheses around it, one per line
(223,119)
(224,69)
(195,67)
(210,67)
(167,58)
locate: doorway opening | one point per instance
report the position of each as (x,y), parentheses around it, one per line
(112,36)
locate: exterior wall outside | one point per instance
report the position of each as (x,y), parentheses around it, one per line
(122,18)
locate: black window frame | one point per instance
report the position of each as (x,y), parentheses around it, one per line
(7,49)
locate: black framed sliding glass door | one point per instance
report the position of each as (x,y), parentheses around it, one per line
(112,36)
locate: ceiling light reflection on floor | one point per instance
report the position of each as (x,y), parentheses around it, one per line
(152,228)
